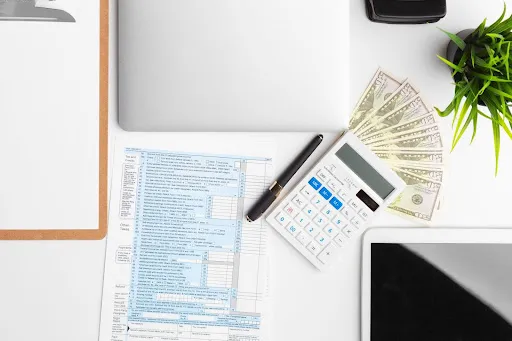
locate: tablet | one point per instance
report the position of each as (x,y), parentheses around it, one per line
(436,284)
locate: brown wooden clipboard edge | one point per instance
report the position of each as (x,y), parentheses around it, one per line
(101,231)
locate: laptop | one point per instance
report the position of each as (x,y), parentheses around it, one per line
(226,65)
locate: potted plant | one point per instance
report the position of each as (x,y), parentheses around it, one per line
(481,61)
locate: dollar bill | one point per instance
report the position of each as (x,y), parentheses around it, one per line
(380,88)
(418,201)
(411,109)
(413,156)
(404,93)
(426,138)
(414,124)
(434,173)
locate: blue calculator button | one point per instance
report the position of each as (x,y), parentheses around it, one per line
(336,203)
(325,193)
(315,183)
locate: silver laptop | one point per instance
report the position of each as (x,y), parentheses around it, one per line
(232,65)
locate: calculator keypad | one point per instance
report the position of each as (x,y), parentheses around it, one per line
(323,214)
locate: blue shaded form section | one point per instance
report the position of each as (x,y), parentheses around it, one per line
(176,227)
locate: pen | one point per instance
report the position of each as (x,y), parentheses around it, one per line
(273,192)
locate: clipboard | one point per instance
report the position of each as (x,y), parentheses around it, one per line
(93,225)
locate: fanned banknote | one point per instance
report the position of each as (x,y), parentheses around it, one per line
(402,129)
(413,108)
(419,199)
(381,87)
(399,97)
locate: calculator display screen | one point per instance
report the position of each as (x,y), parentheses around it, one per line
(364,171)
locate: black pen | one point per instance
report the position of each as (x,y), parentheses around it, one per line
(273,192)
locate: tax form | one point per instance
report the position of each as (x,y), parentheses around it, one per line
(182,263)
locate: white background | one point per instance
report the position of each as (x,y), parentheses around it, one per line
(52,290)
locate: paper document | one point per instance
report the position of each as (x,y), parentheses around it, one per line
(182,263)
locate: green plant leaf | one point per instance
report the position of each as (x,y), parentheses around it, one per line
(492,28)
(450,64)
(480,29)
(499,92)
(504,26)
(462,115)
(456,39)
(489,78)
(447,111)
(471,118)
(495,129)
(475,124)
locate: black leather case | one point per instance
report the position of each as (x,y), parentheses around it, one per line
(406,11)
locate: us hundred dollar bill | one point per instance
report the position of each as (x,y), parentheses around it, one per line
(414,124)
(409,110)
(418,201)
(411,156)
(380,88)
(404,93)
(433,173)
(426,138)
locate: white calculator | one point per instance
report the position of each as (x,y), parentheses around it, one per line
(335,201)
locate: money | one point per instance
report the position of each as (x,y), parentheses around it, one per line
(427,137)
(399,97)
(411,156)
(429,172)
(398,125)
(418,201)
(420,122)
(413,108)
(380,88)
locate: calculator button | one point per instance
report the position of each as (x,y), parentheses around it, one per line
(322,239)
(348,213)
(283,219)
(344,194)
(329,212)
(293,229)
(299,201)
(310,211)
(307,192)
(332,169)
(303,238)
(291,210)
(325,193)
(348,231)
(330,230)
(357,222)
(318,202)
(320,220)
(312,230)
(340,239)
(302,219)
(339,222)
(354,204)
(314,248)
(334,185)
(336,203)
(327,254)
(322,175)
(315,183)
(365,214)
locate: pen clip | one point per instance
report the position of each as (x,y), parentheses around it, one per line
(275,188)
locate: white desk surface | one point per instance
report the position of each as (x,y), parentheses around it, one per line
(51,291)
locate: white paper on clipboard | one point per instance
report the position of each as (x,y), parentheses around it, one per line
(49,111)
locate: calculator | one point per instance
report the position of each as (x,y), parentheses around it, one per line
(335,201)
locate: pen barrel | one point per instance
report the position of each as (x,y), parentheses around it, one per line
(264,202)
(290,171)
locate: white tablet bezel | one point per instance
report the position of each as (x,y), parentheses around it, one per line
(418,236)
